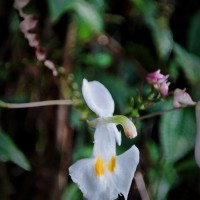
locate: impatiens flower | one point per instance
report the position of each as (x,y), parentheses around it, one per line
(197,143)
(182,98)
(159,81)
(102,177)
(105,175)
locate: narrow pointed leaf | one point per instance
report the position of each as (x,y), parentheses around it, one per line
(10,152)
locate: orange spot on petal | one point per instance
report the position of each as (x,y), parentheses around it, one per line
(112,164)
(99,166)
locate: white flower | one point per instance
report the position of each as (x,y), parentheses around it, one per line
(105,175)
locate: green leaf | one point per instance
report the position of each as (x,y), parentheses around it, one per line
(10,152)
(153,150)
(146,7)
(98,60)
(89,14)
(84,30)
(71,192)
(177,133)
(163,38)
(101,4)
(103,60)
(83,152)
(190,63)
(173,70)
(162,180)
(159,26)
(75,118)
(59,7)
(193,34)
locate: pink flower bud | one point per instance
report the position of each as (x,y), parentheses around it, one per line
(159,81)
(163,88)
(182,99)
(29,23)
(156,77)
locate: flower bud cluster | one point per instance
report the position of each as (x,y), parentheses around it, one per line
(159,81)
(27,25)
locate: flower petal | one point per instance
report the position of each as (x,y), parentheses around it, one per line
(98,98)
(125,170)
(117,133)
(104,141)
(92,186)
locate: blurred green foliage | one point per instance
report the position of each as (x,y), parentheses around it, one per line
(9,152)
(116,43)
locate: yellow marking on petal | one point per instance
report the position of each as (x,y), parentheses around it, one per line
(112,164)
(99,166)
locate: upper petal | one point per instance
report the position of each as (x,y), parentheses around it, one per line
(125,170)
(98,98)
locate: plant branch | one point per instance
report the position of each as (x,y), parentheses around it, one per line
(161,112)
(37,104)
(157,113)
